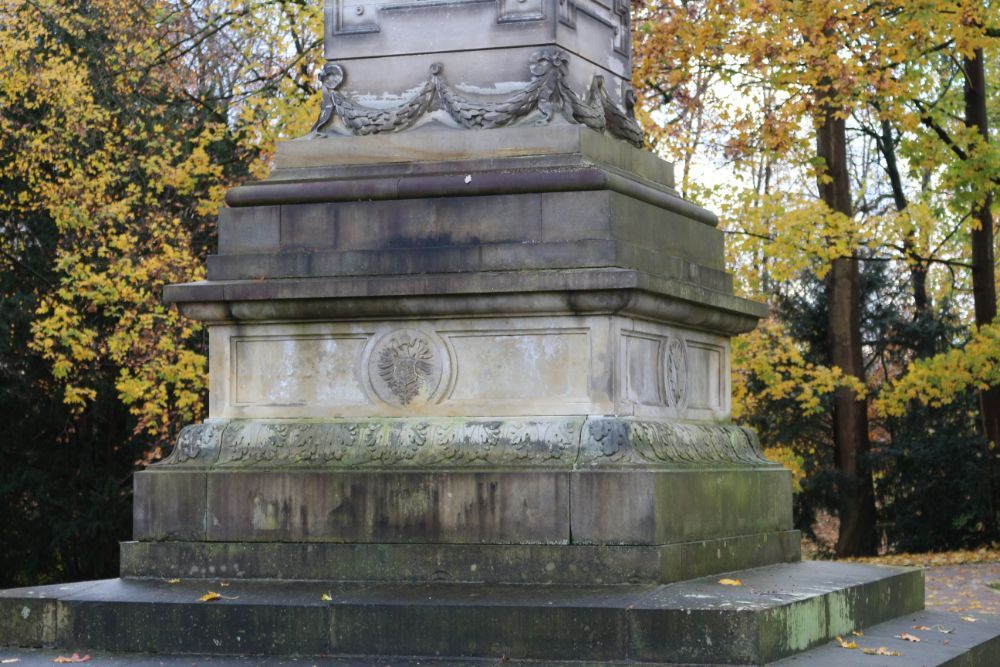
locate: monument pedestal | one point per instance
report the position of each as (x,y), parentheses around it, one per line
(469,400)
(523,340)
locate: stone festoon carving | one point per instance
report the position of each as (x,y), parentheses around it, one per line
(507,62)
(547,94)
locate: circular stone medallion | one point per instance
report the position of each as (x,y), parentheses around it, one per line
(675,373)
(405,367)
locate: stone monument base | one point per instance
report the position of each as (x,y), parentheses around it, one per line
(470,403)
(778,614)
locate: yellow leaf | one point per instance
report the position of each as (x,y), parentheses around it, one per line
(857,633)
(844,644)
(730,582)
(907,637)
(326,597)
(209,596)
(173,581)
(881,650)
(969,619)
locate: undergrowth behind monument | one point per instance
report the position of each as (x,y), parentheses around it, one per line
(469,387)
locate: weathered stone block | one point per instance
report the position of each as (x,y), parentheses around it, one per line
(119,615)
(169,505)
(411,223)
(418,621)
(251,229)
(523,147)
(662,507)
(457,563)
(26,621)
(389,506)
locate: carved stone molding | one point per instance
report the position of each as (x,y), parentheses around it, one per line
(593,442)
(543,97)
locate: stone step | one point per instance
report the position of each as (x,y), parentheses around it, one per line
(776,612)
(458,563)
(950,641)
(969,645)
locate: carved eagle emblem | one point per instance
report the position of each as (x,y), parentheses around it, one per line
(404,365)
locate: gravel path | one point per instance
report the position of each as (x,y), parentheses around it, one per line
(964,588)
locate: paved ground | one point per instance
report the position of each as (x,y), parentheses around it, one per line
(964,588)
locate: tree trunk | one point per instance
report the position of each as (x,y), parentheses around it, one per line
(918,266)
(984,272)
(850,412)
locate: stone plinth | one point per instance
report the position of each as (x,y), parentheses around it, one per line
(517,337)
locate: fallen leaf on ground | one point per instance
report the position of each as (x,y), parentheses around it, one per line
(76,657)
(857,633)
(209,596)
(730,582)
(881,650)
(844,644)
(325,597)
(224,584)
(906,636)
(936,628)
(969,619)
(173,581)
(9,661)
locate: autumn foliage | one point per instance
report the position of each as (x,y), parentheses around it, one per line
(121,126)
(857,195)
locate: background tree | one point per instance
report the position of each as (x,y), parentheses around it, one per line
(870,77)
(121,125)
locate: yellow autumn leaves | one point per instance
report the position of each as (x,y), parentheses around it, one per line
(123,136)
(937,380)
(774,360)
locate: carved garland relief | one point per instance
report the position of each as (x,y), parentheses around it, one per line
(546,95)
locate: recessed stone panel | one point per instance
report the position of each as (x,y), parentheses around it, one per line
(521,365)
(705,381)
(642,355)
(672,372)
(297,370)
(490,367)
